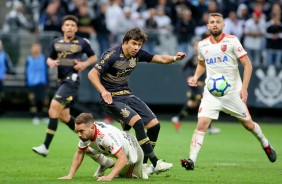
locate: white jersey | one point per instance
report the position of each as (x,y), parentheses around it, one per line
(109,140)
(221,58)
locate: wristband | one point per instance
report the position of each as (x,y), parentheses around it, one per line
(174,58)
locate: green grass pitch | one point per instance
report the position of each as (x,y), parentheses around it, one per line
(233,156)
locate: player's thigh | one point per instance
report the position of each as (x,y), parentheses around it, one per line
(210,106)
(142,109)
(236,107)
(55,109)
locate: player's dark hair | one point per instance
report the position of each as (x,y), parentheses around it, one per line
(84,118)
(70,17)
(135,34)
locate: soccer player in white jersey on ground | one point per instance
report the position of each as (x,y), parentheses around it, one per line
(102,139)
(218,54)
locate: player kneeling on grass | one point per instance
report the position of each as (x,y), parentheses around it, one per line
(98,139)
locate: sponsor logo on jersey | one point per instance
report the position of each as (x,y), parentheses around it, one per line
(217,60)
(107,57)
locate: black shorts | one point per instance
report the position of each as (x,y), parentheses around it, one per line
(123,109)
(67,92)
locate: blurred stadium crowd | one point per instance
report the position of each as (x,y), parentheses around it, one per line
(171,25)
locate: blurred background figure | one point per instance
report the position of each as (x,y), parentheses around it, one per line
(15,20)
(103,33)
(273,40)
(6,67)
(185,31)
(37,82)
(233,25)
(254,39)
(151,28)
(51,18)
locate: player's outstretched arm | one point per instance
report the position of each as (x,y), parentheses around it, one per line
(166,59)
(77,160)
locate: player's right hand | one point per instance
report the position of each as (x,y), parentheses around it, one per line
(192,81)
(107,97)
(53,63)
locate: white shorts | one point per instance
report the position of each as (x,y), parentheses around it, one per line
(134,170)
(231,104)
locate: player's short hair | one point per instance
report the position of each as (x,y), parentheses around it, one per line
(215,15)
(84,118)
(70,17)
(135,34)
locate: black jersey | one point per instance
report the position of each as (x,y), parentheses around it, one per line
(115,68)
(68,52)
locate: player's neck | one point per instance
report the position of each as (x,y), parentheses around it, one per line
(126,54)
(68,39)
(216,39)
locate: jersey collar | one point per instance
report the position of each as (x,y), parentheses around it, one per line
(222,36)
(95,133)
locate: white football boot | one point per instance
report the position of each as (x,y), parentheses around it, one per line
(162,166)
(41,150)
(148,169)
(214,130)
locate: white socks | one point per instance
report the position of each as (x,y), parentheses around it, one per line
(196,144)
(99,158)
(259,135)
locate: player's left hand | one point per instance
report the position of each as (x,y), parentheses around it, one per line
(104,178)
(244,95)
(179,56)
(79,65)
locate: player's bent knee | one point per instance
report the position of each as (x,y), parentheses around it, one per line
(152,123)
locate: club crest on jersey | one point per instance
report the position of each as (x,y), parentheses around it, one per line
(132,62)
(125,113)
(74,48)
(223,48)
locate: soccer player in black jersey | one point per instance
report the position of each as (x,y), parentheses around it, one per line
(66,55)
(110,77)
